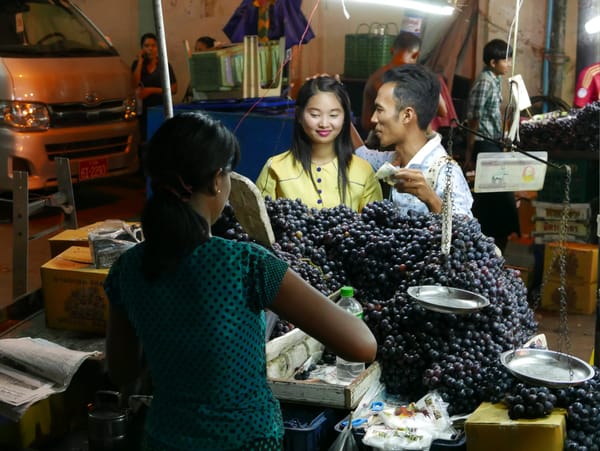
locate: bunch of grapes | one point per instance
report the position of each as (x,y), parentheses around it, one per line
(583,414)
(529,402)
(578,130)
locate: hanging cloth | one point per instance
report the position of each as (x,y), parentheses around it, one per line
(263,18)
(285,18)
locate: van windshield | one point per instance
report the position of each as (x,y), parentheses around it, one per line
(48,29)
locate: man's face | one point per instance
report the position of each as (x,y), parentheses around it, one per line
(387,124)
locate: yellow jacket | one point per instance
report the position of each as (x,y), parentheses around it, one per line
(282,176)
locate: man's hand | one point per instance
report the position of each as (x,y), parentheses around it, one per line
(412,181)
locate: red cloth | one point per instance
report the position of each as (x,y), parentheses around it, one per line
(444,121)
(587,89)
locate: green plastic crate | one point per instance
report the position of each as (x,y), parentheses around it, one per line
(584,181)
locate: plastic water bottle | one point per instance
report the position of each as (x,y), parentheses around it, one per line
(348,371)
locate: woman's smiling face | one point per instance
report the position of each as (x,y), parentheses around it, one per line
(323,118)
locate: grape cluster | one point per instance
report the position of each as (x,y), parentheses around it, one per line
(578,130)
(582,403)
(281,328)
(529,402)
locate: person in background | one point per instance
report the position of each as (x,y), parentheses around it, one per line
(192,305)
(320,168)
(587,89)
(147,78)
(204,43)
(405,50)
(405,105)
(497,212)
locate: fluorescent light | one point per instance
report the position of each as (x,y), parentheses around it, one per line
(593,25)
(433,7)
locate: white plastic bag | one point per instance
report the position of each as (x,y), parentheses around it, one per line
(345,441)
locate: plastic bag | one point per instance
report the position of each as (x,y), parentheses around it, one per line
(345,441)
(110,239)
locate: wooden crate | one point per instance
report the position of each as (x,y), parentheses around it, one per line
(286,353)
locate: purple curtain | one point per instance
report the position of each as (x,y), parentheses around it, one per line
(286,19)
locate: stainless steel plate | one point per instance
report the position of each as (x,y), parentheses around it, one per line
(447,299)
(547,368)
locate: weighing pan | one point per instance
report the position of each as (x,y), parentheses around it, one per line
(447,300)
(546,368)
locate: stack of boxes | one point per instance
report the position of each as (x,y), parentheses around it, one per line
(548,218)
(581,271)
(73,286)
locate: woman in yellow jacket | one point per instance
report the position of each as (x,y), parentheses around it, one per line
(320,169)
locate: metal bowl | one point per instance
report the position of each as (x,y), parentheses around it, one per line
(447,299)
(546,368)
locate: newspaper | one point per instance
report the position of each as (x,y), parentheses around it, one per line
(32,369)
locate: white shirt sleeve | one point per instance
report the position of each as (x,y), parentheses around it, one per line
(375,157)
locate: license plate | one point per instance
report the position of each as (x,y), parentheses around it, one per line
(91,169)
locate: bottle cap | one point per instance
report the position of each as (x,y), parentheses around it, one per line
(347,292)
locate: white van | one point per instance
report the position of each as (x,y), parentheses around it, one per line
(64,92)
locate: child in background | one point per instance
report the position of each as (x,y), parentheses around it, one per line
(320,168)
(195,304)
(496,212)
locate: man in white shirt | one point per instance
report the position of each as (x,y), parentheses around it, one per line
(405,105)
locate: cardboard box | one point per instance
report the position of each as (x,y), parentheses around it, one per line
(577,228)
(543,238)
(580,296)
(581,262)
(490,429)
(73,237)
(549,210)
(73,291)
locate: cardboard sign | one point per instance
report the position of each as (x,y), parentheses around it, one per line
(509,171)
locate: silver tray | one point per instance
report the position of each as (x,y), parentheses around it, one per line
(546,368)
(447,299)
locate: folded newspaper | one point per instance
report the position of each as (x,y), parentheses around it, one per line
(32,369)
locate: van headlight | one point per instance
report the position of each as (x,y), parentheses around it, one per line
(130,108)
(24,115)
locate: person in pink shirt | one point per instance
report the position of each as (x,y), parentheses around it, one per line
(587,89)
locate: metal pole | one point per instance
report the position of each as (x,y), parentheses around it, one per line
(557,57)
(163,60)
(20,233)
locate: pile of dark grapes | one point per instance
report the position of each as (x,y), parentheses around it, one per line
(381,254)
(578,130)
(582,403)
(529,402)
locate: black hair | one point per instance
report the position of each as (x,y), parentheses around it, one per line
(210,42)
(147,36)
(302,145)
(184,156)
(407,41)
(496,49)
(417,87)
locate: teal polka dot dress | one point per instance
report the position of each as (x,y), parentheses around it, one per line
(202,328)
